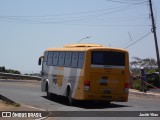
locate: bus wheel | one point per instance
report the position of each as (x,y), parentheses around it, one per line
(106,103)
(48,94)
(69,97)
(47,90)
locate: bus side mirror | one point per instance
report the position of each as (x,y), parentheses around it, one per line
(39,61)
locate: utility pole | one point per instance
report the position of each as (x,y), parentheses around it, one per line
(155,37)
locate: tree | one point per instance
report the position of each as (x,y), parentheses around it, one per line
(3,69)
(148,64)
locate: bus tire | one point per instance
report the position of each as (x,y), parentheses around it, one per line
(47,91)
(70,101)
(105,102)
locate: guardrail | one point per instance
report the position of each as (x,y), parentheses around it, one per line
(18,76)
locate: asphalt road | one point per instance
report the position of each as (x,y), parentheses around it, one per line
(29,93)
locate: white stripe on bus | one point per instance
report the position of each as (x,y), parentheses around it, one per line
(106,66)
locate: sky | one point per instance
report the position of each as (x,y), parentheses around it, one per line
(28,27)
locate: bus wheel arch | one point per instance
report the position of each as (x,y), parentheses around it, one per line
(47,90)
(69,95)
(46,86)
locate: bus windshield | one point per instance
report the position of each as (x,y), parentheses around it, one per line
(110,58)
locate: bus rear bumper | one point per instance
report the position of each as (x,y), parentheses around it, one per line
(105,97)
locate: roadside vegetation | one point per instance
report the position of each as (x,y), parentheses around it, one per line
(13,104)
(151,73)
(3,69)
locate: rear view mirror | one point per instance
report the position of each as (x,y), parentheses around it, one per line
(40,60)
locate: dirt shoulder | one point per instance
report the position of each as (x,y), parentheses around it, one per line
(6,107)
(15,107)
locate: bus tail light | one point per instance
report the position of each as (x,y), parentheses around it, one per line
(126,87)
(86,85)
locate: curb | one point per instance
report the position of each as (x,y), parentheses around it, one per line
(146,94)
(7,100)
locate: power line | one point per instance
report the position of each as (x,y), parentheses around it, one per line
(128,42)
(34,20)
(64,14)
(116,1)
(114,20)
(109,25)
(130,36)
(21,19)
(138,40)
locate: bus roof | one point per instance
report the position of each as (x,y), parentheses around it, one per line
(83,47)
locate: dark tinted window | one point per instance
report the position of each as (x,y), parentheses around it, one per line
(50,58)
(68,57)
(55,58)
(74,61)
(61,58)
(45,56)
(108,58)
(81,59)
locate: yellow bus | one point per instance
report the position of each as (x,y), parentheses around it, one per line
(86,72)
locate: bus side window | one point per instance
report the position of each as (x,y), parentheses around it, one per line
(55,58)
(81,59)
(50,58)
(74,59)
(45,56)
(61,58)
(44,62)
(68,57)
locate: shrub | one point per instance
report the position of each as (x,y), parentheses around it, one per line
(137,84)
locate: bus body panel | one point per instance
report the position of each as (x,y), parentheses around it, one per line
(59,78)
(105,82)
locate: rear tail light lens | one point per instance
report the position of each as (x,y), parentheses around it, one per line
(86,85)
(126,87)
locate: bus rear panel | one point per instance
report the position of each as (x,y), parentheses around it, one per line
(107,76)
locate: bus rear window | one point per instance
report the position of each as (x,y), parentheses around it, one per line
(110,58)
